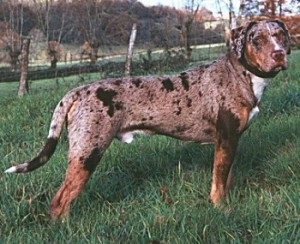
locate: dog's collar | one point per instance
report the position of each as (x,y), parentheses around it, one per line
(257,72)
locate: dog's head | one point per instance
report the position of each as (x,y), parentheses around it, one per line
(262,46)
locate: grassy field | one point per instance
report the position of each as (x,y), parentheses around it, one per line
(155,190)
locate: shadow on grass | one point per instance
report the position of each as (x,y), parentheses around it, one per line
(139,167)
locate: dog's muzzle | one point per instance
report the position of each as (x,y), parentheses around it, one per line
(279,57)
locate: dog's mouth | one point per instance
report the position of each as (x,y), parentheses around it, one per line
(274,67)
(279,66)
(268,72)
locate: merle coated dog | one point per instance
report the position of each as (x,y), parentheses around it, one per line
(214,103)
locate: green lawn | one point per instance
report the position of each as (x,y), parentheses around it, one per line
(155,190)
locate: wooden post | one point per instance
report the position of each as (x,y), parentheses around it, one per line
(23,85)
(130,50)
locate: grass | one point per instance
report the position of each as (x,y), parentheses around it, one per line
(155,190)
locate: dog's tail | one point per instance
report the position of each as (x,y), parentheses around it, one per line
(56,126)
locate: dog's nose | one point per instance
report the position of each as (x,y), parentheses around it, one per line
(278,55)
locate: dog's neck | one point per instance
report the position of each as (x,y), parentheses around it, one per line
(256,71)
(259,80)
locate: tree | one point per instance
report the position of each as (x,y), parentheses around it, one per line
(268,8)
(54,53)
(296,5)
(90,48)
(187,19)
(16,20)
(10,42)
(23,85)
(130,50)
(51,20)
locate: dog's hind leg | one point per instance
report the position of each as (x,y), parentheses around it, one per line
(75,179)
(85,151)
(79,170)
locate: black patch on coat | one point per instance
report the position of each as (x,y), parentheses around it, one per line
(221,82)
(208,132)
(118,82)
(107,96)
(150,96)
(92,161)
(168,85)
(178,112)
(61,104)
(181,128)
(136,82)
(54,127)
(189,102)
(118,105)
(185,81)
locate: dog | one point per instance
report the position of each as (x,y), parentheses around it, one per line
(213,103)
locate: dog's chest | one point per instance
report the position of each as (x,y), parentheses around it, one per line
(258,87)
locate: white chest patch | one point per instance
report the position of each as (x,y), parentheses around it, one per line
(253,113)
(258,85)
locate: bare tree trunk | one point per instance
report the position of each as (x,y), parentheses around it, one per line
(23,85)
(54,53)
(187,41)
(94,55)
(14,53)
(186,28)
(130,50)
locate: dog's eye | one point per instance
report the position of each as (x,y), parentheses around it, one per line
(278,35)
(257,41)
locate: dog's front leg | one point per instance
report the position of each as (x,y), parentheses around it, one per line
(228,134)
(221,174)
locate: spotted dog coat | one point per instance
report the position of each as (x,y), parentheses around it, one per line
(207,104)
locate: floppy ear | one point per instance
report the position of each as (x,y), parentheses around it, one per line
(287,34)
(238,41)
(238,38)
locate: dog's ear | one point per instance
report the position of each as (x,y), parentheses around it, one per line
(238,41)
(287,43)
(238,38)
